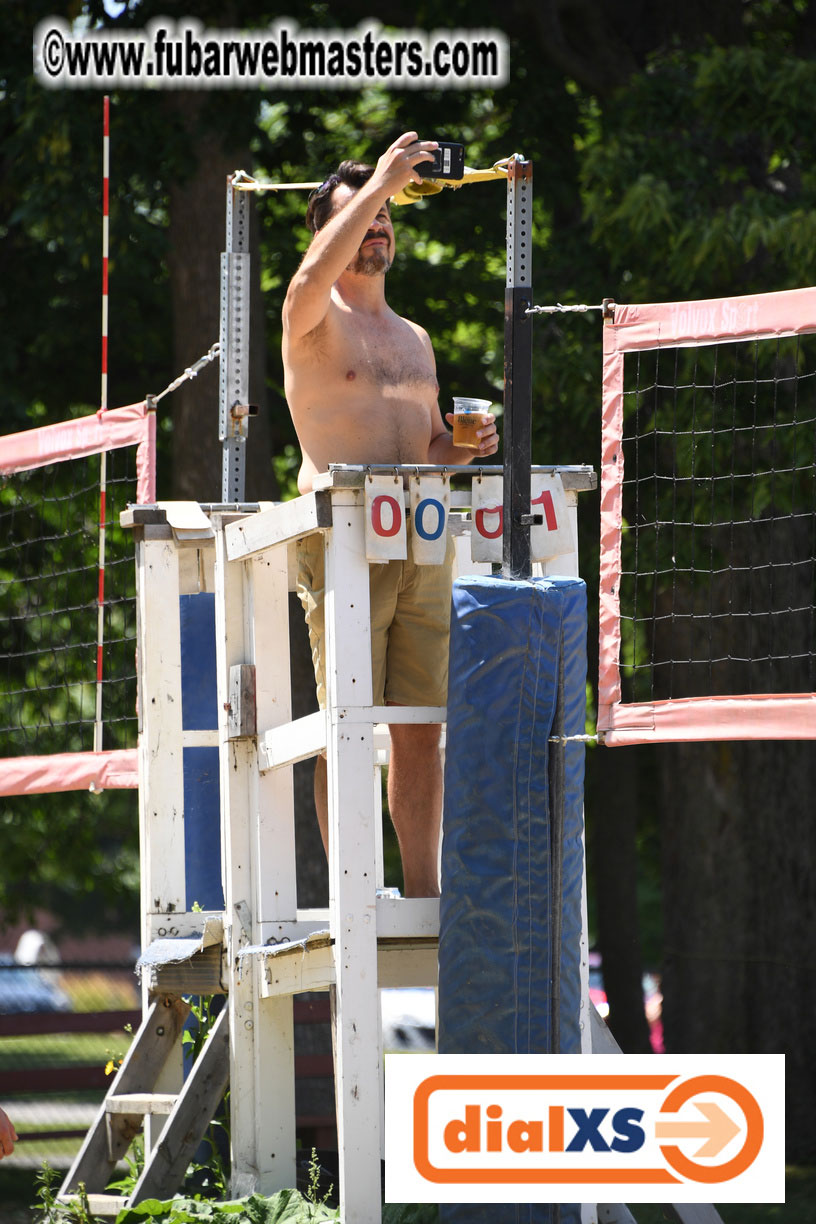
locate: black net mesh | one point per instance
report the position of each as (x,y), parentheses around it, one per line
(49,557)
(719,507)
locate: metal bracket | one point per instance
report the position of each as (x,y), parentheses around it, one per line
(242,718)
(518,371)
(234,409)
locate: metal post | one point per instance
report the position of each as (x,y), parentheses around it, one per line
(518,371)
(234,347)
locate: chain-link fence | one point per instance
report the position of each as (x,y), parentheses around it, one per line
(63,1031)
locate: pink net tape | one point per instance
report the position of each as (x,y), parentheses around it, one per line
(673,324)
(67,771)
(757,716)
(132,425)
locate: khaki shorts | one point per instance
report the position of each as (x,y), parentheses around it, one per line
(410,624)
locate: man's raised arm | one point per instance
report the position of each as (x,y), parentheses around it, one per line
(335,245)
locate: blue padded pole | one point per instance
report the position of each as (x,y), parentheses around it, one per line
(512,854)
(202,791)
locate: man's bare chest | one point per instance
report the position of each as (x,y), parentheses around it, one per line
(389,355)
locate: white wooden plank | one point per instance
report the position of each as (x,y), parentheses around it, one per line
(199,739)
(397,918)
(614,1213)
(693,1213)
(463,561)
(407,917)
(99,1204)
(347,611)
(291,742)
(352,870)
(161,786)
(408,964)
(274,1091)
(271,794)
(578,476)
(306,923)
(393,714)
(198,1100)
(305,737)
(602,1040)
(237,874)
(141,1103)
(377,789)
(262,1120)
(278,524)
(183,924)
(398,964)
(307,969)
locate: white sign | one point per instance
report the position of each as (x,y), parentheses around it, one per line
(385,534)
(430,505)
(552,537)
(487,518)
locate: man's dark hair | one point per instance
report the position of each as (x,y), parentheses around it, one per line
(352,174)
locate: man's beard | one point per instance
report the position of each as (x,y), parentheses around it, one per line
(375,262)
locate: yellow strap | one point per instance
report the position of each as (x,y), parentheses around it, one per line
(415,191)
(242,181)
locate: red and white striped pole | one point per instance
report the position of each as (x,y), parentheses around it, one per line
(103,407)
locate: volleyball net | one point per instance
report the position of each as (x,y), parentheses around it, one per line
(708,521)
(52,655)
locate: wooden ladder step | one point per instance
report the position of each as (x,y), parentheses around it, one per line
(141,1103)
(111,1133)
(98,1204)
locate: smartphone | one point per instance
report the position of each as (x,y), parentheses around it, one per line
(448,163)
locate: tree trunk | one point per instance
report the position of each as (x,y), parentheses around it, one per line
(739,839)
(739,865)
(616,773)
(197,238)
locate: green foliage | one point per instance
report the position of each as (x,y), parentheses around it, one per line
(410,1213)
(134,1159)
(313,1195)
(54,1212)
(698,177)
(285,1207)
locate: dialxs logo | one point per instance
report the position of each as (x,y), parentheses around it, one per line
(597,1128)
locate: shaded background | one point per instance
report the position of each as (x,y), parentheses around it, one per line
(673,158)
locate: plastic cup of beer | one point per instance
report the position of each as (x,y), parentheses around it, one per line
(468,418)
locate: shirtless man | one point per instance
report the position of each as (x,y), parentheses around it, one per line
(361,387)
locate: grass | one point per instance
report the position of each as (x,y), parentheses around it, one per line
(17,1195)
(63,1049)
(100,991)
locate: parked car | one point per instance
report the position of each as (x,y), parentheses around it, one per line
(408,1019)
(24,988)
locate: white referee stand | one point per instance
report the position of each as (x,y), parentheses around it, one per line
(271,949)
(361,941)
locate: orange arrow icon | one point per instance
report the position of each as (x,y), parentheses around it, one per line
(718,1130)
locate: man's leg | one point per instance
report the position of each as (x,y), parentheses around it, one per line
(321,799)
(415,802)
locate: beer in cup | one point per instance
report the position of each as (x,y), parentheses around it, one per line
(468,418)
